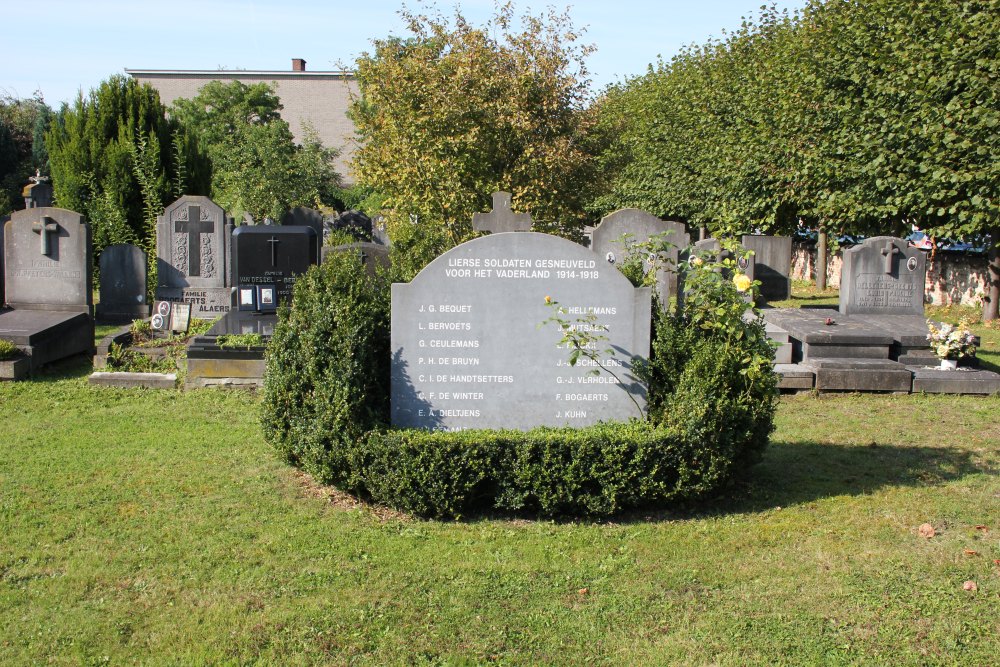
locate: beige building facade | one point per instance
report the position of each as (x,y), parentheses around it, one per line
(320,99)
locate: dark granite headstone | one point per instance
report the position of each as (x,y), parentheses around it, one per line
(355,223)
(772,257)
(372,255)
(193,248)
(267,262)
(123,283)
(883,276)
(607,241)
(469,349)
(47,267)
(300,216)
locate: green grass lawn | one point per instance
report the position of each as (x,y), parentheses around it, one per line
(157,527)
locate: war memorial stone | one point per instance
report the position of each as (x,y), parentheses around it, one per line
(883,276)
(267,261)
(123,284)
(470,350)
(193,248)
(48,284)
(609,242)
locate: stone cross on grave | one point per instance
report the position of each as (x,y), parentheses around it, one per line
(194,227)
(888,251)
(274,241)
(43,228)
(501,218)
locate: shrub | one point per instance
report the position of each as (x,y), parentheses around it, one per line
(711,409)
(326,383)
(8,350)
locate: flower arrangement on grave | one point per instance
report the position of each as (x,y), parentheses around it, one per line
(949,341)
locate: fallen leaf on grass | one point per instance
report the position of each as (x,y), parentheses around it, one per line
(970,552)
(982,528)
(583,591)
(926,530)
(970,586)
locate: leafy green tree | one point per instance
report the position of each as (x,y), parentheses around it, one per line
(111,160)
(256,166)
(22,146)
(455,112)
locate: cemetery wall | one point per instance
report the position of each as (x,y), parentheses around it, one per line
(952,278)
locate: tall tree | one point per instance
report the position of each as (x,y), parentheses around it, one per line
(93,148)
(455,112)
(256,166)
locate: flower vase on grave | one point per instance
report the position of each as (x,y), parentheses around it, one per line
(949,364)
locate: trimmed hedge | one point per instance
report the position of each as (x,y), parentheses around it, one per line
(326,387)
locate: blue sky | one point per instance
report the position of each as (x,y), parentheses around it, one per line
(62,46)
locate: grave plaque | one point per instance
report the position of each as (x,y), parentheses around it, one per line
(267,262)
(123,283)
(772,264)
(470,350)
(193,239)
(607,241)
(47,261)
(882,276)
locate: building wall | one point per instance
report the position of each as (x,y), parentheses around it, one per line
(952,277)
(321,98)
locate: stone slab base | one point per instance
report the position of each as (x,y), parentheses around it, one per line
(129,380)
(15,369)
(860,375)
(959,381)
(225,372)
(794,377)
(225,383)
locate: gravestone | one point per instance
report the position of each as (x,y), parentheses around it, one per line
(267,261)
(38,193)
(772,258)
(607,241)
(882,276)
(355,223)
(301,216)
(371,255)
(193,248)
(123,284)
(470,350)
(48,285)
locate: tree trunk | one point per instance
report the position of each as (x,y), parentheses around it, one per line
(821,261)
(991,305)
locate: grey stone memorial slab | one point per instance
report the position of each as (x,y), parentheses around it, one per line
(123,284)
(470,350)
(959,381)
(883,276)
(794,377)
(47,260)
(47,266)
(193,248)
(772,265)
(860,375)
(371,255)
(609,242)
(501,218)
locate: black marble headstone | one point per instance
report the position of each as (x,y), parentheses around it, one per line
(267,261)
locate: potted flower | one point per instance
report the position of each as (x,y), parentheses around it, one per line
(951,342)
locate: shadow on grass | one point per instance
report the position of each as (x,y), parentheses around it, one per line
(793,473)
(75,367)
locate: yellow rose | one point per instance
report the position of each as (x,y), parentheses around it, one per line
(548,299)
(742,282)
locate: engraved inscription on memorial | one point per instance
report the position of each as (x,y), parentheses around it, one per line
(881,291)
(470,349)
